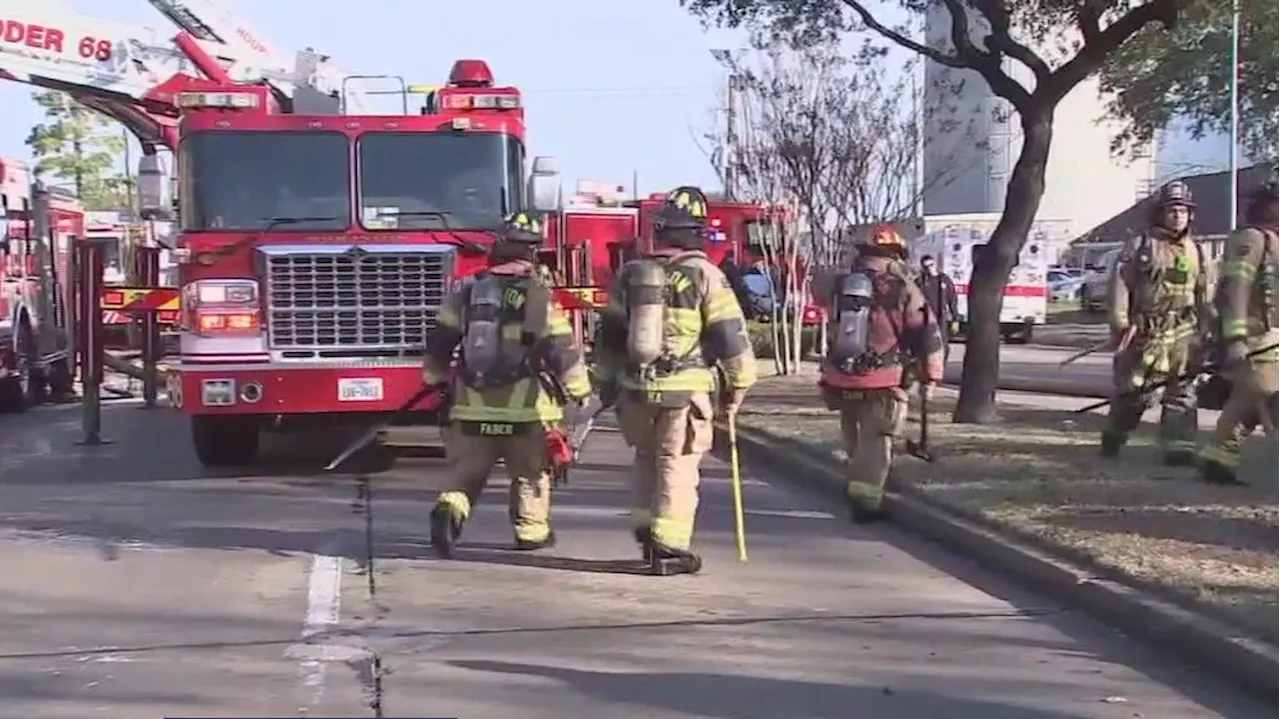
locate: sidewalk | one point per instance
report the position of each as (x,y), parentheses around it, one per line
(1035,481)
(776,393)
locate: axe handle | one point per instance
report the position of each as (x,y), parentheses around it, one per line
(924,422)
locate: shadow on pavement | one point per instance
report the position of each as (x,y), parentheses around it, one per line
(747,697)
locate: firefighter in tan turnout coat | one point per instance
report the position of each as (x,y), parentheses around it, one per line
(673,321)
(517,364)
(1246,305)
(1159,309)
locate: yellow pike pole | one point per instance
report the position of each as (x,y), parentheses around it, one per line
(739,519)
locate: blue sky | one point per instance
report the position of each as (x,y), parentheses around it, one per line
(611,88)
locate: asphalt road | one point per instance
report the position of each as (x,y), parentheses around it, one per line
(138,585)
(1036,368)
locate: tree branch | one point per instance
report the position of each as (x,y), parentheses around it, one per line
(1095,52)
(902,40)
(1089,20)
(985,62)
(1001,39)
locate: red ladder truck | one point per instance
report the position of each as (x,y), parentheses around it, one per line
(309,273)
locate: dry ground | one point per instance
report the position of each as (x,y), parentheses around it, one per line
(1037,473)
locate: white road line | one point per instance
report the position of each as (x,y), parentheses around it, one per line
(324,611)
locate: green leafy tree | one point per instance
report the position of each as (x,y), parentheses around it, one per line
(1059,42)
(80,147)
(1160,77)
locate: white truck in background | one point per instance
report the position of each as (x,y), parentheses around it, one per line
(953,243)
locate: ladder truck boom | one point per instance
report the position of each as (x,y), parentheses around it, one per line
(132,73)
(129,73)
(210,21)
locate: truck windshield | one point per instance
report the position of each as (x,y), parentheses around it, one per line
(414,180)
(236,180)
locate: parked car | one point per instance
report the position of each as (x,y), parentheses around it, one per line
(1093,289)
(1063,286)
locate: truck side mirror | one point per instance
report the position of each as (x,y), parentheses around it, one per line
(4,224)
(544,185)
(155,192)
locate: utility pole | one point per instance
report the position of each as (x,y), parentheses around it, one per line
(1234,92)
(917,153)
(729,160)
(128,174)
(731,137)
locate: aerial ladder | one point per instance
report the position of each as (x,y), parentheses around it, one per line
(212,22)
(134,75)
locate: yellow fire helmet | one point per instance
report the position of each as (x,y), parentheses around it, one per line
(685,208)
(520,227)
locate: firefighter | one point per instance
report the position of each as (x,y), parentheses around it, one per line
(671,321)
(1246,308)
(879,326)
(1159,309)
(517,366)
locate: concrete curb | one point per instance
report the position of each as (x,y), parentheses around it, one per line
(1060,389)
(1205,642)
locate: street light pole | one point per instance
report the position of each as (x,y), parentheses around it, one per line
(1234,94)
(730,155)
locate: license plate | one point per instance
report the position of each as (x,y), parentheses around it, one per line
(363,389)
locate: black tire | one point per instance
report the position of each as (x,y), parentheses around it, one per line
(25,389)
(225,441)
(1022,336)
(61,382)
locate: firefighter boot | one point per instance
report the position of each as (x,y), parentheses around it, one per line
(666,562)
(446,527)
(644,537)
(1212,472)
(860,513)
(1112,443)
(1179,458)
(529,545)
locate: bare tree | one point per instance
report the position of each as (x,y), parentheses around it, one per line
(1058,44)
(836,138)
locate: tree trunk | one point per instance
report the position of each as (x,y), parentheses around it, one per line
(981,376)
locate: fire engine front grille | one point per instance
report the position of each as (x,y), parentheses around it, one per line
(355,299)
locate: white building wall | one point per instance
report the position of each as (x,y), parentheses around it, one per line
(973,139)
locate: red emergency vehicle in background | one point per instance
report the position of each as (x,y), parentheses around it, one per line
(36,225)
(114,232)
(598,229)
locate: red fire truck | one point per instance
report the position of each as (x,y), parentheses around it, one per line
(315,250)
(314,244)
(594,232)
(35,232)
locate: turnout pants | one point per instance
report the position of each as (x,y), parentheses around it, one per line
(1252,402)
(669,443)
(869,422)
(1162,367)
(471,462)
